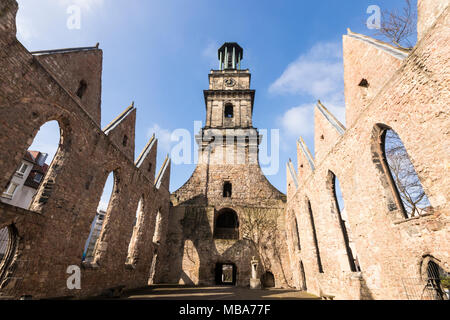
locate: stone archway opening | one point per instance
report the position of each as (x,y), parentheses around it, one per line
(225,274)
(268,280)
(226,225)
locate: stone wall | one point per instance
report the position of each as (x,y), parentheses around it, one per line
(413,101)
(51,235)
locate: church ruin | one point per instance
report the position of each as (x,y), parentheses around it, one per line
(228,217)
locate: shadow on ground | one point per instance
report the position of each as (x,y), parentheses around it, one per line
(174,292)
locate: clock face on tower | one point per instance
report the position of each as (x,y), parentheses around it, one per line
(230,82)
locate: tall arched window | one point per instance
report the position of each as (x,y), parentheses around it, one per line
(227,225)
(98,222)
(33,167)
(132,247)
(402,178)
(297,235)
(8,244)
(229,112)
(314,234)
(227,189)
(339,208)
(158,222)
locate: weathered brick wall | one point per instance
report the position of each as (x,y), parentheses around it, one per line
(414,103)
(52,234)
(371,60)
(427,13)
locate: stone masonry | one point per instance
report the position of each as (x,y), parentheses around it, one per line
(407,91)
(65,85)
(227,215)
(228,154)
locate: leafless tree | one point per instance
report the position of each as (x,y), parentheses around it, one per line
(399,26)
(406,179)
(260,226)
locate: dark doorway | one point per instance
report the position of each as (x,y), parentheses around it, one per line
(268,280)
(226,274)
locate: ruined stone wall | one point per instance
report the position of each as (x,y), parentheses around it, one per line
(193,250)
(390,248)
(427,13)
(52,234)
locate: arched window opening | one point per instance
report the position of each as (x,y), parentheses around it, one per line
(402,177)
(314,234)
(125,140)
(339,207)
(303,277)
(33,168)
(268,280)
(98,222)
(151,278)
(158,222)
(229,111)
(227,225)
(132,247)
(8,243)
(434,277)
(81,89)
(299,247)
(227,189)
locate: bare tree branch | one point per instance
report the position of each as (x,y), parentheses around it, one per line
(399,27)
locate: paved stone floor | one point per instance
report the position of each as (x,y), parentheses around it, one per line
(172,292)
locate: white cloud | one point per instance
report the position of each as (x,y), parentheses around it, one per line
(297,121)
(317,73)
(163,136)
(39,19)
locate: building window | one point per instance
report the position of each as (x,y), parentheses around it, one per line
(314,234)
(227,225)
(339,208)
(11,189)
(23,168)
(299,247)
(158,225)
(229,111)
(111,187)
(38,177)
(81,89)
(227,189)
(400,175)
(132,246)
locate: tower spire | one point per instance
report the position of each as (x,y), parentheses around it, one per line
(230,56)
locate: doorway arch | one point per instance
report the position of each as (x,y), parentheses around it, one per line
(225,274)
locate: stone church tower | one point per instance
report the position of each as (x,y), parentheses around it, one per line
(227,212)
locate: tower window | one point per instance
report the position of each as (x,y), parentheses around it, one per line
(229,111)
(227,190)
(81,89)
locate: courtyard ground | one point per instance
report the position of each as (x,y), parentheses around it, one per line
(173,292)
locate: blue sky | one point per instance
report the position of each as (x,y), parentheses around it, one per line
(159,54)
